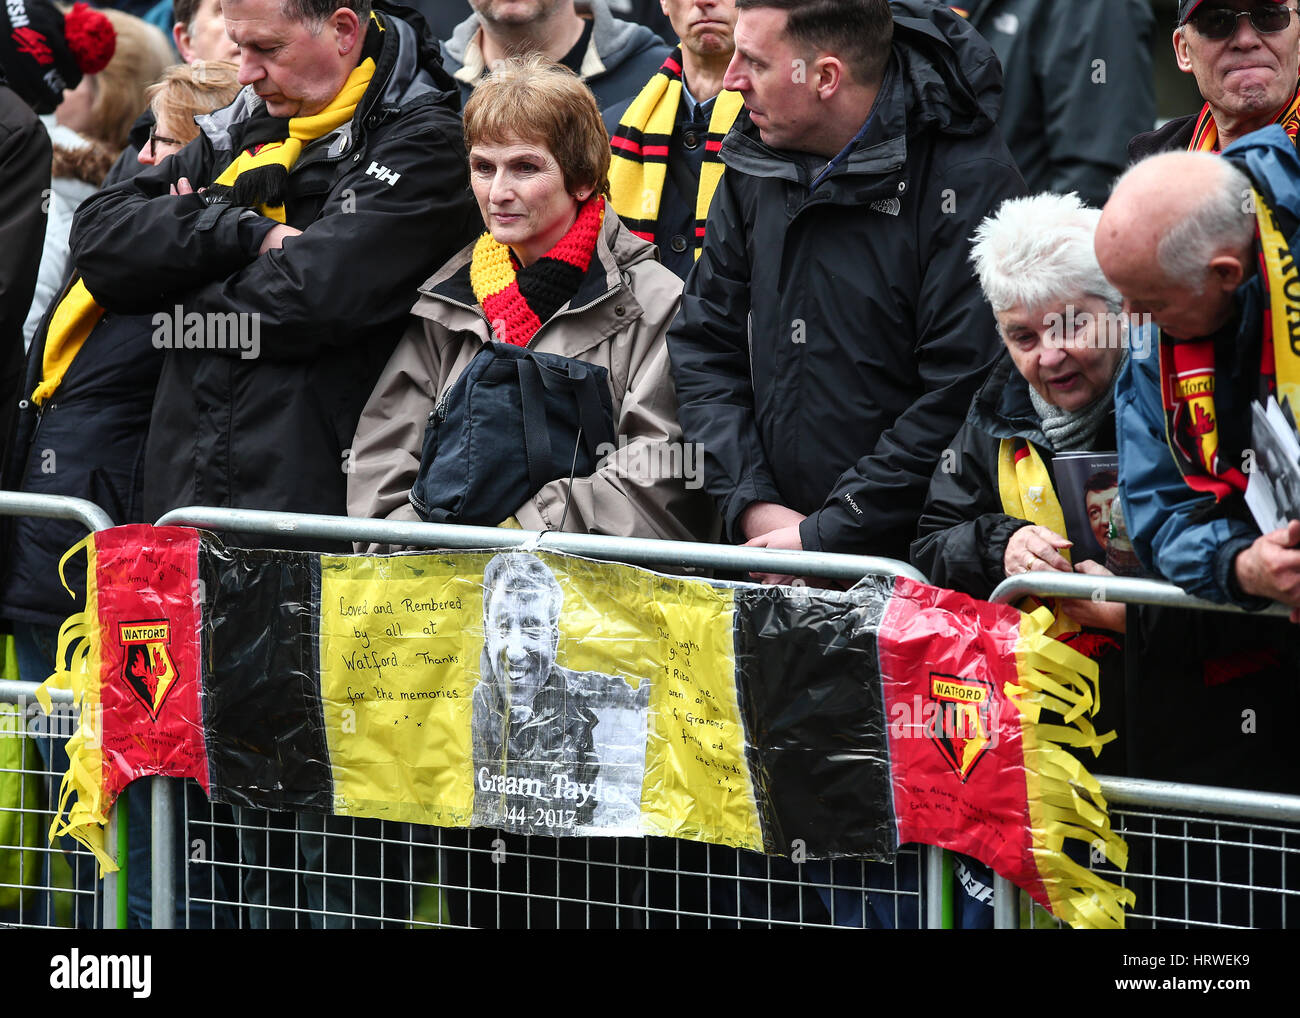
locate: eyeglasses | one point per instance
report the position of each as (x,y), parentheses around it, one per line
(1221,22)
(156,139)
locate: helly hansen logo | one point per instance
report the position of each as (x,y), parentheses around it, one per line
(383,173)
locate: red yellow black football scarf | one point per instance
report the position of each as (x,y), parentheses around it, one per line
(518,300)
(1187,369)
(1205,138)
(640,144)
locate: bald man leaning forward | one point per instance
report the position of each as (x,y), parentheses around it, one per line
(1210,697)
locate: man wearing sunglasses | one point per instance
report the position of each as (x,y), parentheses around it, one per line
(1245,55)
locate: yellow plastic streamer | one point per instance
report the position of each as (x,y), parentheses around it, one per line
(1065,801)
(78,665)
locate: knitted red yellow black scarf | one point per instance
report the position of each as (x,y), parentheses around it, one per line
(518,300)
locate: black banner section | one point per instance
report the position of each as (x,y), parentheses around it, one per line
(262,713)
(813,705)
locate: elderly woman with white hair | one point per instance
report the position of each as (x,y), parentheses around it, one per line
(992,509)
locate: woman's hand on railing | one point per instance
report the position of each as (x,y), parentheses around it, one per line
(1095,614)
(1035,549)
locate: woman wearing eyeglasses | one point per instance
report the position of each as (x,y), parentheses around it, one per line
(83,418)
(1245,55)
(182,93)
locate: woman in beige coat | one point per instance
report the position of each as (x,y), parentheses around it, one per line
(559,273)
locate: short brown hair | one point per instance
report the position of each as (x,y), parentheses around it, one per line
(533,99)
(859,31)
(187,90)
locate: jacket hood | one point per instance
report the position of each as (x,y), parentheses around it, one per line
(951,75)
(408,66)
(614,40)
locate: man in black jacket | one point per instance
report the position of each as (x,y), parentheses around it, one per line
(279,254)
(833,333)
(1246,60)
(309,248)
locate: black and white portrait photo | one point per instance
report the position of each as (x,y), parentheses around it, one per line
(555,751)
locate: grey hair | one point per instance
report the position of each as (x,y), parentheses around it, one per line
(1224,218)
(1038,250)
(314,12)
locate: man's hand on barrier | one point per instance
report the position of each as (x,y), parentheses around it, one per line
(760,518)
(1035,549)
(786,537)
(1271,567)
(1095,614)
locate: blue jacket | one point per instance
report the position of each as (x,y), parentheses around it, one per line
(1181,534)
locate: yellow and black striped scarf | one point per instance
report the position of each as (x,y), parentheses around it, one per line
(640,144)
(259,176)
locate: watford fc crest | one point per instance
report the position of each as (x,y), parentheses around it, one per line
(1194,427)
(147,667)
(961,730)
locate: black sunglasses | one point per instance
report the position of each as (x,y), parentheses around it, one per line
(1221,22)
(155,139)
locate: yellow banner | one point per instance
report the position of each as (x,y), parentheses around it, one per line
(524,692)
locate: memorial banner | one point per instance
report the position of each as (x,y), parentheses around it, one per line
(545,694)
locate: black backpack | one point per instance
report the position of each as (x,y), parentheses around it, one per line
(514,421)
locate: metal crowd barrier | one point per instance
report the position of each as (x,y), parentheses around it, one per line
(1248,842)
(30,727)
(431,876)
(652,882)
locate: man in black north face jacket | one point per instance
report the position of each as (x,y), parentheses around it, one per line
(275,324)
(833,333)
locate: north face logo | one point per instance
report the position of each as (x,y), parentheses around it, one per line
(889,206)
(383,173)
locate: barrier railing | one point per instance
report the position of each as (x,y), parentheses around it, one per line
(93,518)
(1126,589)
(1133,799)
(632,550)
(651,865)
(1268,815)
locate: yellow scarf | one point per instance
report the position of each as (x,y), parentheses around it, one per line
(1026,491)
(302,130)
(1282,284)
(78,313)
(640,145)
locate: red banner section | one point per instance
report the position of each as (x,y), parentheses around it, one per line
(955,745)
(150,611)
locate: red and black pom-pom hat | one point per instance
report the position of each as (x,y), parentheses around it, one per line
(43,51)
